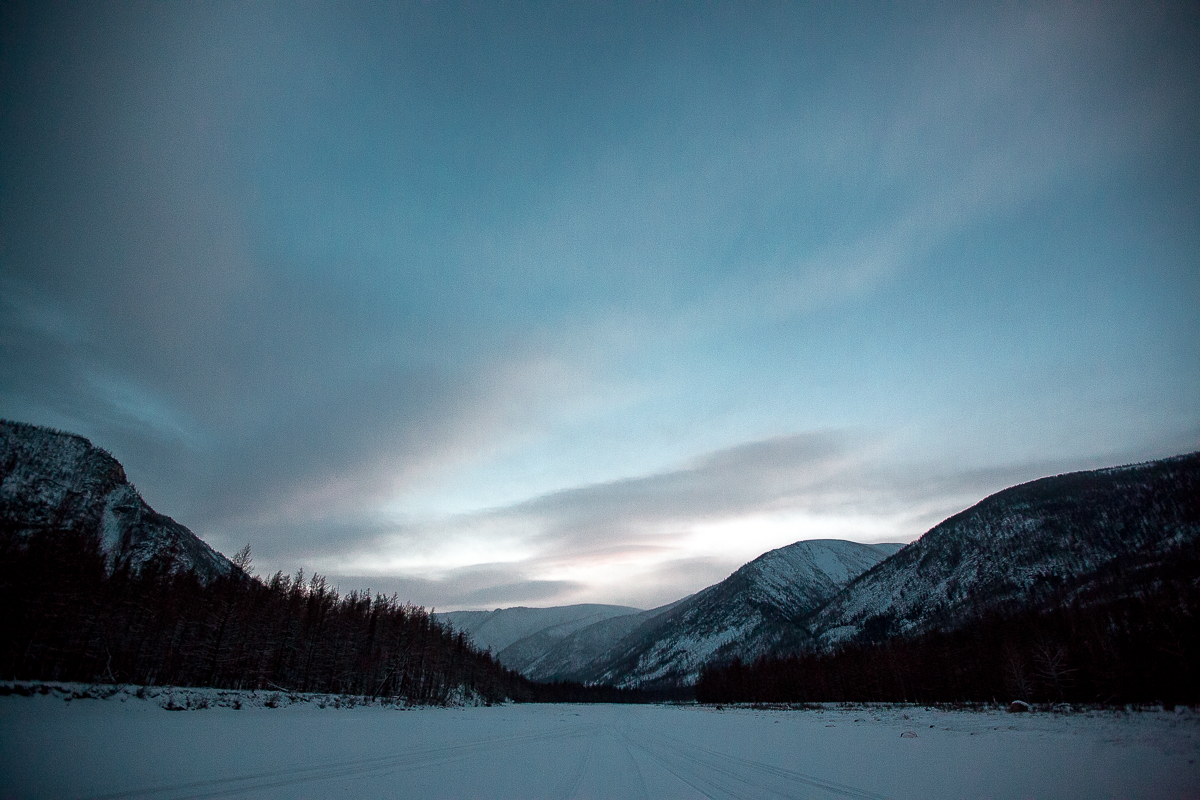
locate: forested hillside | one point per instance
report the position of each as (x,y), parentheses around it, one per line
(1023,547)
(1128,647)
(67,617)
(97,586)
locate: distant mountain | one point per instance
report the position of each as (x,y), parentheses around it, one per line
(54,481)
(1051,540)
(497,630)
(753,611)
(543,659)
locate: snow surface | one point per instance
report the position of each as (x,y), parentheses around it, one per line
(132,748)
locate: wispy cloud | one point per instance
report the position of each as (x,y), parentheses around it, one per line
(650,539)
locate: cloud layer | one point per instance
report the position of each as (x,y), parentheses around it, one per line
(650,540)
(541,299)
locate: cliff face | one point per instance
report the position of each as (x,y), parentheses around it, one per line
(54,481)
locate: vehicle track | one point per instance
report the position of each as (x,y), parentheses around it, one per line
(581,767)
(637,770)
(708,786)
(288,776)
(739,778)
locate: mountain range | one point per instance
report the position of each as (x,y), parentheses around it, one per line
(1065,539)
(498,630)
(1049,541)
(751,612)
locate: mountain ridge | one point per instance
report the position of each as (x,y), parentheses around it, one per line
(744,615)
(497,630)
(1017,546)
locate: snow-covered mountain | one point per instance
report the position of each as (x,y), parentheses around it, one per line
(50,480)
(497,630)
(1045,541)
(543,659)
(752,611)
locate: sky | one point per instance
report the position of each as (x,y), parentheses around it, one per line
(495,304)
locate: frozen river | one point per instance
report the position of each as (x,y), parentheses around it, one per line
(130,748)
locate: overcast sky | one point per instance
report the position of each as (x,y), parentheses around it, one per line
(497,304)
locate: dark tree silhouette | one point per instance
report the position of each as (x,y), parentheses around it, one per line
(68,615)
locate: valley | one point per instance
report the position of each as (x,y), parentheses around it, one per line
(1052,590)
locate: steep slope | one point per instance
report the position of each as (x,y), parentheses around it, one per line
(51,480)
(1050,538)
(496,630)
(750,612)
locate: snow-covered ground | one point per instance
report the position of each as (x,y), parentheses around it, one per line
(131,747)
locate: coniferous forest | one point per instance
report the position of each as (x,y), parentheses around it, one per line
(69,616)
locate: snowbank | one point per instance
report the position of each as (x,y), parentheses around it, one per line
(184,698)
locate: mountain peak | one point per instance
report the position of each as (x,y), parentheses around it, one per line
(748,613)
(56,481)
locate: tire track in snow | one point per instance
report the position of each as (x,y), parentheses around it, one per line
(292,775)
(575,780)
(684,778)
(756,777)
(712,774)
(832,787)
(689,776)
(637,770)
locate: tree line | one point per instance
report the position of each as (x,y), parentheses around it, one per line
(71,616)
(1129,638)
